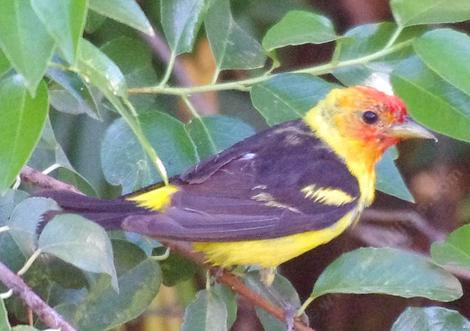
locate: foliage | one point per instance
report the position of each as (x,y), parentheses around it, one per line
(60,58)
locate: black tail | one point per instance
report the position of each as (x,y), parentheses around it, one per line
(108,213)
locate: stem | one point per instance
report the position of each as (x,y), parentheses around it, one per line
(394,37)
(244,85)
(169,69)
(204,127)
(29,263)
(304,306)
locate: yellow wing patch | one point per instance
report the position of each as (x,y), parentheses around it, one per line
(155,199)
(327,195)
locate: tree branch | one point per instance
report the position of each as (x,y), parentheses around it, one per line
(45,313)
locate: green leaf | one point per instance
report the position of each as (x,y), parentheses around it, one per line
(4,323)
(24,328)
(408,13)
(71,95)
(79,242)
(103,308)
(229,298)
(25,219)
(65,21)
(455,250)
(175,268)
(389,179)
(134,58)
(23,119)
(96,68)
(206,313)
(432,101)
(125,11)
(446,52)
(4,64)
(299,27)
(233,48)
(181,20)
(8,201)
(288,96)
(364,40)
(216,133)
(125,163)
(387,271)
(430,319)
(25,41)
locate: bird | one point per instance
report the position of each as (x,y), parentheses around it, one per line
(273,196)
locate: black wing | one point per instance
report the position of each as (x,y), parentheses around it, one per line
(253,190)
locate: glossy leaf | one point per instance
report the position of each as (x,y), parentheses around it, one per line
(408,13)
(139,281)
(65,21)
(96,68)
(431,100)
(4,323)
(181,20)
(455,250)
(25,220)
(125,11)
(446,52)
(125,163)
(216,133)
(299,27)
(430,319)
(25,41)
(364,40)
(23,119)
(233,48)
(389,179)
(80,242)
(387,271)
(288,96)
(206,313)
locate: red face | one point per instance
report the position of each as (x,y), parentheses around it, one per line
(374,118)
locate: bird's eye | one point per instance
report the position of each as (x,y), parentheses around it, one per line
(370,117)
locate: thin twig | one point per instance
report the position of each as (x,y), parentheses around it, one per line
(45,313)
(32,176)
(179,73)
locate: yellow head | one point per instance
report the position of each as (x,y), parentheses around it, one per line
(359,123)
(363,122)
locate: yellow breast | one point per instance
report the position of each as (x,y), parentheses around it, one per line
(268,253)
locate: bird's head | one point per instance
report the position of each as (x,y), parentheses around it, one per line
(369,118)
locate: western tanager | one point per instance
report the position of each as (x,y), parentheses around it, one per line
(272,196)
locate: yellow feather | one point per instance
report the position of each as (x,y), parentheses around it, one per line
(156,199)
(268,253)
(327,195)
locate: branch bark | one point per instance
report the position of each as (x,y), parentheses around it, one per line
(45,313)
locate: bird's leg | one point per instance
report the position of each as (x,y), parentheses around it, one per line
(267,277)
